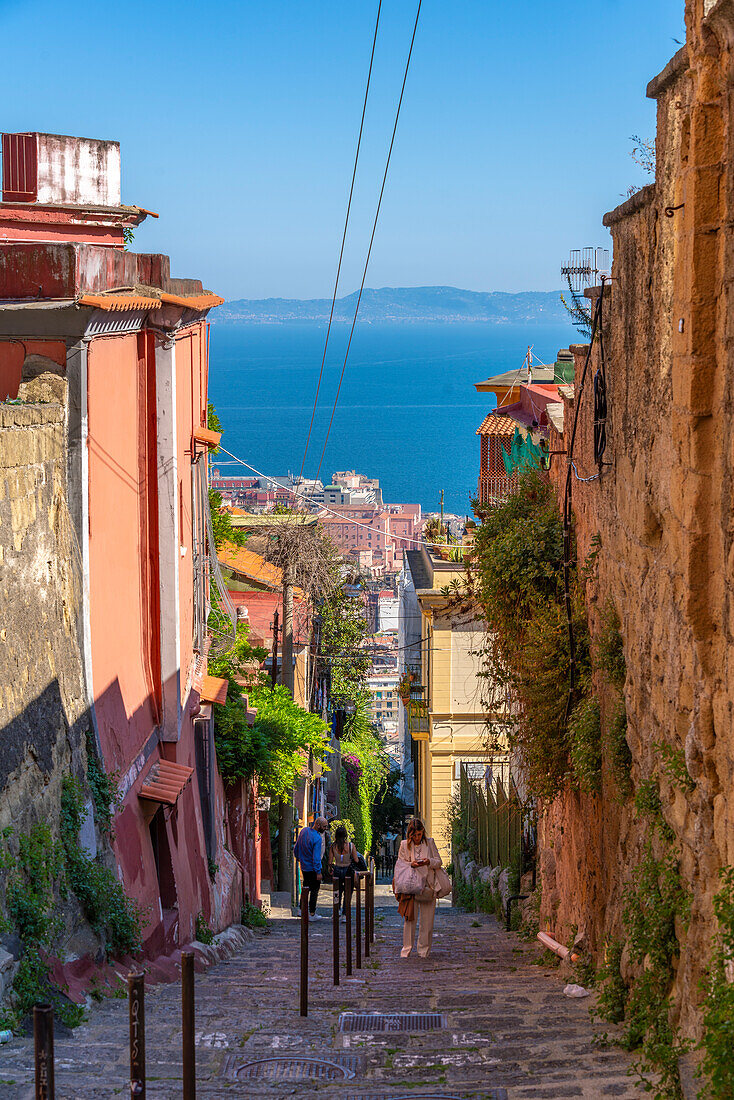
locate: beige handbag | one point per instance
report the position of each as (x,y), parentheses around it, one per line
(441,883)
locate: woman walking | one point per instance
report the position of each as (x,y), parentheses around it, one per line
(419,853)
(342,858)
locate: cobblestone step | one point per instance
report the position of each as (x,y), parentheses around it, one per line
(511,1033)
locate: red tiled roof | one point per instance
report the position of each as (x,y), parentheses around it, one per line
(165,781)
(497,424)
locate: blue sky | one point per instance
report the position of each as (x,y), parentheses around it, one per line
(238,123)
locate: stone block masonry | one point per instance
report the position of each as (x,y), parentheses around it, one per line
(42,696)
(661,516)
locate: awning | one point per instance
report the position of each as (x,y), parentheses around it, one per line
(207,437)
(165,781)
(214,690)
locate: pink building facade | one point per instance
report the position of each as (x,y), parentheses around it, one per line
(126,347)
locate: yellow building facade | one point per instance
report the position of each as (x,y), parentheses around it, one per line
(449,720)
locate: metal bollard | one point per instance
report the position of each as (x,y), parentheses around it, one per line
(367,915)
(335,930)
(43,1041)
(348,887)
(304,950)
(358,919)
(188,1013)
(136,1006)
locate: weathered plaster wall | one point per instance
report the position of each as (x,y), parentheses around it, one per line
(42,698)
(662,510)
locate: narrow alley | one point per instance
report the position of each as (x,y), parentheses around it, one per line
(508,1031)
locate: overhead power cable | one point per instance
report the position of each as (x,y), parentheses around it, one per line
(372,236)
(344,237)
(325,507)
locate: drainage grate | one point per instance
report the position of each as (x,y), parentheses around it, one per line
(289,1069)
(392,1021)
(493,1094)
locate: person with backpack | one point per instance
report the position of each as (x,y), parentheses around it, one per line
(343,859)
(307,851)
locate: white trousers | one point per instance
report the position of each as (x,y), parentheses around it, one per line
(425,911)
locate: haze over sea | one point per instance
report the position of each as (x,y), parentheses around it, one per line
(408,411)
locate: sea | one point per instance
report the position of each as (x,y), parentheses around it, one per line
(407,412)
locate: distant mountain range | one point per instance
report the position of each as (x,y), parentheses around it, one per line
(412,303)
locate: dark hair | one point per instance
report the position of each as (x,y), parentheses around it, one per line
(340,837)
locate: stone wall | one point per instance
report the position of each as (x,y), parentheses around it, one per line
(662,511)
(43,706)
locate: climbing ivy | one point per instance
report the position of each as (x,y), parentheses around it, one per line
(35,879)
(360,740)
(717,1044)
(516,576)
(653,900)
(584,728)
(110,912)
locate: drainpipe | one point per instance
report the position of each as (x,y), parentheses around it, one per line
(555,947)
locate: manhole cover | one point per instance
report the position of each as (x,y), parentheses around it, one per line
(289,1069)
(392,1021)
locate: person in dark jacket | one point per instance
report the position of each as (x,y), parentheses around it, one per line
(308,850)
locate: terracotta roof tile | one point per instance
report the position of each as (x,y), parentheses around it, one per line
(165,781)
(116,302)
(214,690)
(196,301)
(497,424)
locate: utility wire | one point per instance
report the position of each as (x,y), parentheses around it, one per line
(344,237)
(372,236)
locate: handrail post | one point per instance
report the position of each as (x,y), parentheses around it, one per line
(358,925)
(188,1013)
(43,1042)
(136,1008)
(304,950)
(348,887)
(335,929)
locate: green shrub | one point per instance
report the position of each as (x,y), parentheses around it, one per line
(202,929)
(110,912)
(674,765)
(34,877)
(610,648)
(252,917)
(584,729)
(612,999)
(620,757)
(103,788)
(652,901)
(717,1044)
(516,576)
